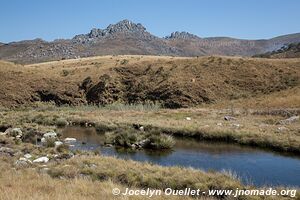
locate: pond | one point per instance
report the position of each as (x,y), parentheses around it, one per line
(251,165)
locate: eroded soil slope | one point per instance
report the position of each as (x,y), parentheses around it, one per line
(173,82)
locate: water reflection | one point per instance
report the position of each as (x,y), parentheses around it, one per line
(252,165)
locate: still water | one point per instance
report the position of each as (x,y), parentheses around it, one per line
(251,165)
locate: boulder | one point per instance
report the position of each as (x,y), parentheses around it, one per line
(50,134)
(58,143)
(43,159)
(14,132)
(70,140)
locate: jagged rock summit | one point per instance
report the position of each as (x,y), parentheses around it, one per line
(122,27)
(182,35)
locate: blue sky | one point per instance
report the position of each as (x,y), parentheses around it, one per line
(51,19)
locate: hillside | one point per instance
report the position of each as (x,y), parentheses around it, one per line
(288,51)
(128,38)
(174,82)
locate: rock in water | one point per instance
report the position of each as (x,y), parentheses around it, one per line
(70,140)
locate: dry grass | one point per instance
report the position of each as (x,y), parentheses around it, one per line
(198,80)
(29,185)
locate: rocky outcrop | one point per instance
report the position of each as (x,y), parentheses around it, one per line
(182,35)
(124,27)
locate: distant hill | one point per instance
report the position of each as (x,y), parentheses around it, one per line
(287,51)
(130,38)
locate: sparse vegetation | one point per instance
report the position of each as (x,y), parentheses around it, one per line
(130,138)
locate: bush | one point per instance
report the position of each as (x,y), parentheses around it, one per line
(61,122)
(129,137)
(160,141)
(50,142)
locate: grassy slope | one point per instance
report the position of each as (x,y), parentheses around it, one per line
(190,80)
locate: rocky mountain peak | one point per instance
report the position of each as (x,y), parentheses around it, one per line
(182,35)
(124,26)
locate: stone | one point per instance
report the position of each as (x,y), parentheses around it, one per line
(236,125)
(282,129)
(229,118)
(43,140)
(14,132)
(3,133)
(43,159)
(289,120)
(141,128)
(188,118)
(25,159)
(70,140)
(44,170)
(58,143)
(27,155)
(8,151)
(21,164)
(50,134)
(219,124)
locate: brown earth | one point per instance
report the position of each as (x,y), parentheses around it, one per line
(172,81)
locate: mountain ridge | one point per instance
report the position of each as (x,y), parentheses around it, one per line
(127,37)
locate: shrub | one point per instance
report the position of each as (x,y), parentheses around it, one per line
(160,141)
(61,122)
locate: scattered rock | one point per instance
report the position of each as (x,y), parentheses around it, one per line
(3,133)
(58,143)
(142,143)
(44,170)
(282,129)
(43,159)
(236,125)
(25,159)
(141,128)
(14,132)
(27,156)
(64,156)
(70,140)
(229,118)
(43,140)
(289,120)
(22,163)
(50,134)
(7,151)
